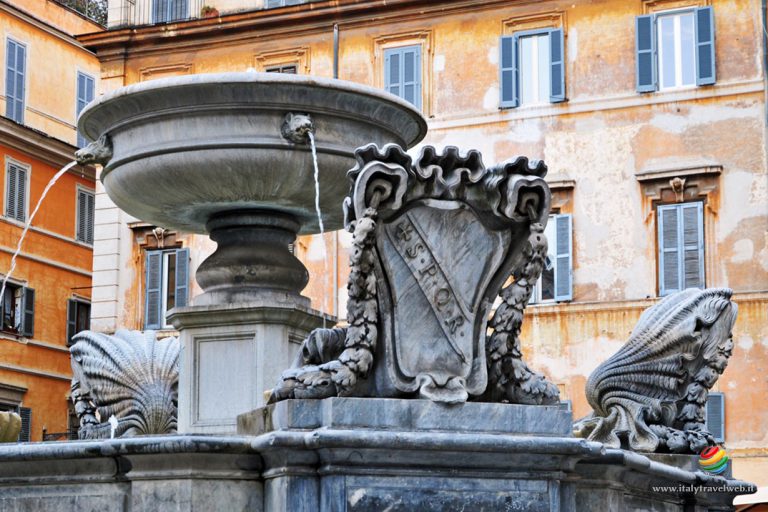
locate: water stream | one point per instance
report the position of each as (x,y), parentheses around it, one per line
(320,222)
(29,223)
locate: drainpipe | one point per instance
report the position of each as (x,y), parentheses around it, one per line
(336,48)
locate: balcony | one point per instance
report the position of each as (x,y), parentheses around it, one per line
(122,13)
(95,10)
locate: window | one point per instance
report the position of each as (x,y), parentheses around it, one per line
(714,420)
(85,205)
(555,283)
(16,191)
(402,73)
(288,68)
(85,87)
(675,49)
(78,317)
(18,309)
(167,285)
(271,4)
(164,11)
(681,247)
(15,65)
(532,70)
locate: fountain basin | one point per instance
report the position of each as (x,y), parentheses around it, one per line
(186,149)
(229,154)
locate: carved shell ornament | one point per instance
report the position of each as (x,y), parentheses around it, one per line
(651,395)
(132,376)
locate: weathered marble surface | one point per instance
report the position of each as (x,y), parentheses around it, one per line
(300,468)
(651,395)
(130,375)
(435,239)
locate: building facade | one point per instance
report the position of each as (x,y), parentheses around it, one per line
(45,78)
(650,114)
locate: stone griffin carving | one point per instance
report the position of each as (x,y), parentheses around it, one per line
(131,376)
(433,244)
(650,396)
(97,152)
(10,427)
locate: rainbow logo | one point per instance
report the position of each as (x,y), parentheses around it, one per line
(713,460)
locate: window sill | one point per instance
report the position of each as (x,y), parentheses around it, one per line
(4,335)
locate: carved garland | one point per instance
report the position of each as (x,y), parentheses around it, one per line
(510,379)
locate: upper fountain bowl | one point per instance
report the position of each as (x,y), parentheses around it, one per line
(185,149)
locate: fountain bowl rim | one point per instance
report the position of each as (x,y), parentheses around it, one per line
(249,77)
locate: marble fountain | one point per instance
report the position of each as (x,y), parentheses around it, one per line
(421,400)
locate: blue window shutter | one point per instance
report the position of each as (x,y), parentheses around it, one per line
(15,80)
(692,243)
(28,312)
(705,46)
(563,257)
(557,66)
(508,72)
(402,73)
(182,277)
(669,248)
(16,188)
(153,296)
(71,320)
(26,424)
(645,43)
(715,416)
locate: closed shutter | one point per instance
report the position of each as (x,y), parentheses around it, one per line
(85,91)
(178,10)
(509,73)
(563,258)
(153,296)
(28,312)
(557,66)
(645,44)
(715,416)
(705,46)
(16,188)
(85,212)
(26,424)
(159,11)
(71,320)
(681,247)
(402,73)
(15,80)
(182,277)
(693,245)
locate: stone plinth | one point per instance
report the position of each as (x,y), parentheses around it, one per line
(352,455)
(233,353)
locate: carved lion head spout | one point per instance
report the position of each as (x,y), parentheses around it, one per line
(131,376)
(97,152)
(651,395)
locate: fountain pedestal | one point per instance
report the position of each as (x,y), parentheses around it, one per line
(234,352)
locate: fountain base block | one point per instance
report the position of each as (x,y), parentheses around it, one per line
(315,456)
(235,352)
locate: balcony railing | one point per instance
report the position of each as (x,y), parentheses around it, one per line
(153,12)
(95,10)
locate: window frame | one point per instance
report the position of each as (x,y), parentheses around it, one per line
(660,260)
(80,189)
(25,89)
(79,301)
(552,244)
(25,293)
(678,65)
(418,95)
(163,288)
(81,141)
(28,179)
(420,37)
